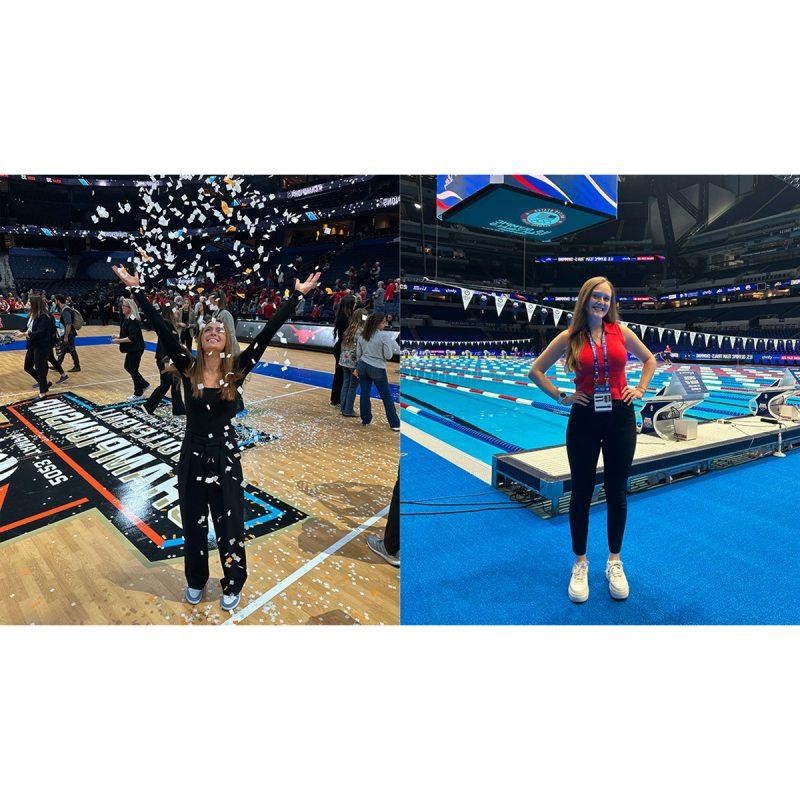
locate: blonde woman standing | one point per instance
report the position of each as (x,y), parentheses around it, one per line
(131,342)
(602,418)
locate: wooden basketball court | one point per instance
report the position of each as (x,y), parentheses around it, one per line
(318,571)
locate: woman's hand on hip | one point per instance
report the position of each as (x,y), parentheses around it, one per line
(629,393)
(576,398)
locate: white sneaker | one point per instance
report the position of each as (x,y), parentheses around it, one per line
(229,601)
(377,546)
(579,582)
(617,582)
(193,596)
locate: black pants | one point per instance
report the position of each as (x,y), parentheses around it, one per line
(589,432)
(338,376)
(205,482)
(186,338)
(391,537)
(167,385)
(55,363)
(132,361)
(69,347)
(36,367)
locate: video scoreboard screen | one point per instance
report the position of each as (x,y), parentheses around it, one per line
(542,207)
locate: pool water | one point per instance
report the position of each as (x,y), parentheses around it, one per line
(484,406)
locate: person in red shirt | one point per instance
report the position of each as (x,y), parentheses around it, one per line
(601,417)
(391,288)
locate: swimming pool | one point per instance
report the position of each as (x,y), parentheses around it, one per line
(484,406)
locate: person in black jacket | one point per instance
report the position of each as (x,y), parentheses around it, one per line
(210,480)
(340,323)
(169,380)
(39,338)
(131,342)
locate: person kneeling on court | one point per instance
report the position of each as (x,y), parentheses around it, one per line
(210,479)
(601,418)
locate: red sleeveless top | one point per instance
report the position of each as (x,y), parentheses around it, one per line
(617,359)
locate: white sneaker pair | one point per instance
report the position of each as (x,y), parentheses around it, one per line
(615,575)
(227,602)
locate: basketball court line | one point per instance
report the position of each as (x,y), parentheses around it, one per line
(301,571)
(279,396)
(70,387)
(96,485)
(41,515)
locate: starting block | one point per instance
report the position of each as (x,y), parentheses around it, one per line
(662,414)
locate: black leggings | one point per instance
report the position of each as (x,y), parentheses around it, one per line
(589,432)
(338,376)
(391,537)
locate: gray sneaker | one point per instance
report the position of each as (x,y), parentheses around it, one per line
(193,596)
(377,546)
(229,601)
(63,378)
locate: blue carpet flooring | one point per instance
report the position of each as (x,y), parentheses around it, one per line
(719,549)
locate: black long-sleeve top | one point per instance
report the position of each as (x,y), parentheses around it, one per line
(131,329)
(40,337)
(209,416)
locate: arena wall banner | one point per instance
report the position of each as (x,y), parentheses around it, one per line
(294,334)
(65,455)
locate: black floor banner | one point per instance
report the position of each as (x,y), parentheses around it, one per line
(64,455)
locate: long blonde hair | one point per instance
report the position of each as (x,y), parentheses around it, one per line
(577,330)
(230,372)
(133,307)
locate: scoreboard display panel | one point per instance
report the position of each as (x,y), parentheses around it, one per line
(542,207)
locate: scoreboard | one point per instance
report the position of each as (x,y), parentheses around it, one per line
(542,207)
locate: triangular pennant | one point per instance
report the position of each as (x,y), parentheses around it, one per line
(530,308)
(466,296)
(557,312)
(692,336)
(499,302)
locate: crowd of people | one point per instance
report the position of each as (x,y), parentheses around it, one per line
(244,296)
(204,320)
